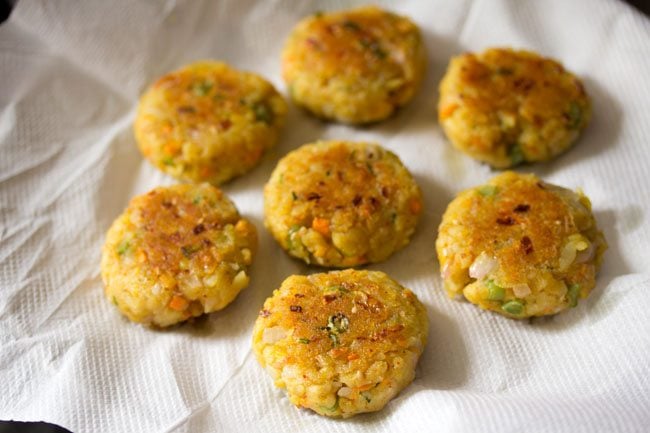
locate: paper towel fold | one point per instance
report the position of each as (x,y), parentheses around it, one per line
(71,75)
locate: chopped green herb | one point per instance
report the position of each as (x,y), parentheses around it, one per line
(351,25)
(487,190)
(513,307)
(573,293)
(374,47)
(201,88)
(328,172)
(123,247)
(574,115)
(197,199)
(516,155)
(378,51)
(318,14)
(369,167)
(294,195)
(336,325)
(337,288)
(114,300)
(504,71)
(304,340)
(495,292)
(168,160)
(365,396)
(393,216)
(263,113)
(189,250)
(292,241)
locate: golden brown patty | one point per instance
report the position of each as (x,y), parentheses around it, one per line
(340,204)
(175,253)
(208,122)
(505,107)
(341,343)
(520,246)
(354,66)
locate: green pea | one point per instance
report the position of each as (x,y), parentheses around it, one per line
(487,190)
(201,88)
(573,293)
(263,113)
(123,247)
(495,292)
(574,115)
(513,307)
(516,155)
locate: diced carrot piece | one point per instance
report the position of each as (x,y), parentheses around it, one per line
(448,110)
(415,206)
(178,303)
(321,225)
(339,353)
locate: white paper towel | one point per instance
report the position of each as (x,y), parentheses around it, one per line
(70,75)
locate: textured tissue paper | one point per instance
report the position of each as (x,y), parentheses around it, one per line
(71,73)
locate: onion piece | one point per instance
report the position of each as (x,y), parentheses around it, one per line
(521,290)
(273,334)
(482,266)
(446,271)
(345,392)
(586,255)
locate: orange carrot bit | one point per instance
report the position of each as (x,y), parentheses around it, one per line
(353,356)
(448,110)
(365,387)
(339,353)
(321,225)
(241,226)
(415,206)
(178,303)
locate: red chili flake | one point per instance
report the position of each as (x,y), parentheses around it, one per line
(299,295)
(523,207)
(541,185)
(225,124)
(296,308)
(313,196)
(356,200)
(505,221)
(527,245)
(198,229)
(265,313)
(524,84)
(312,42)
(384,191)
(373,201)
(329,298)
(167,204)
(186,109)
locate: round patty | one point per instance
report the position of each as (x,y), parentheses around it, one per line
(343,342)
(507,107)
(208,122)
(354,66)
(175,253)
(520,246)
(341,204)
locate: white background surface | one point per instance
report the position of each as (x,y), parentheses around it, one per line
(71,73)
